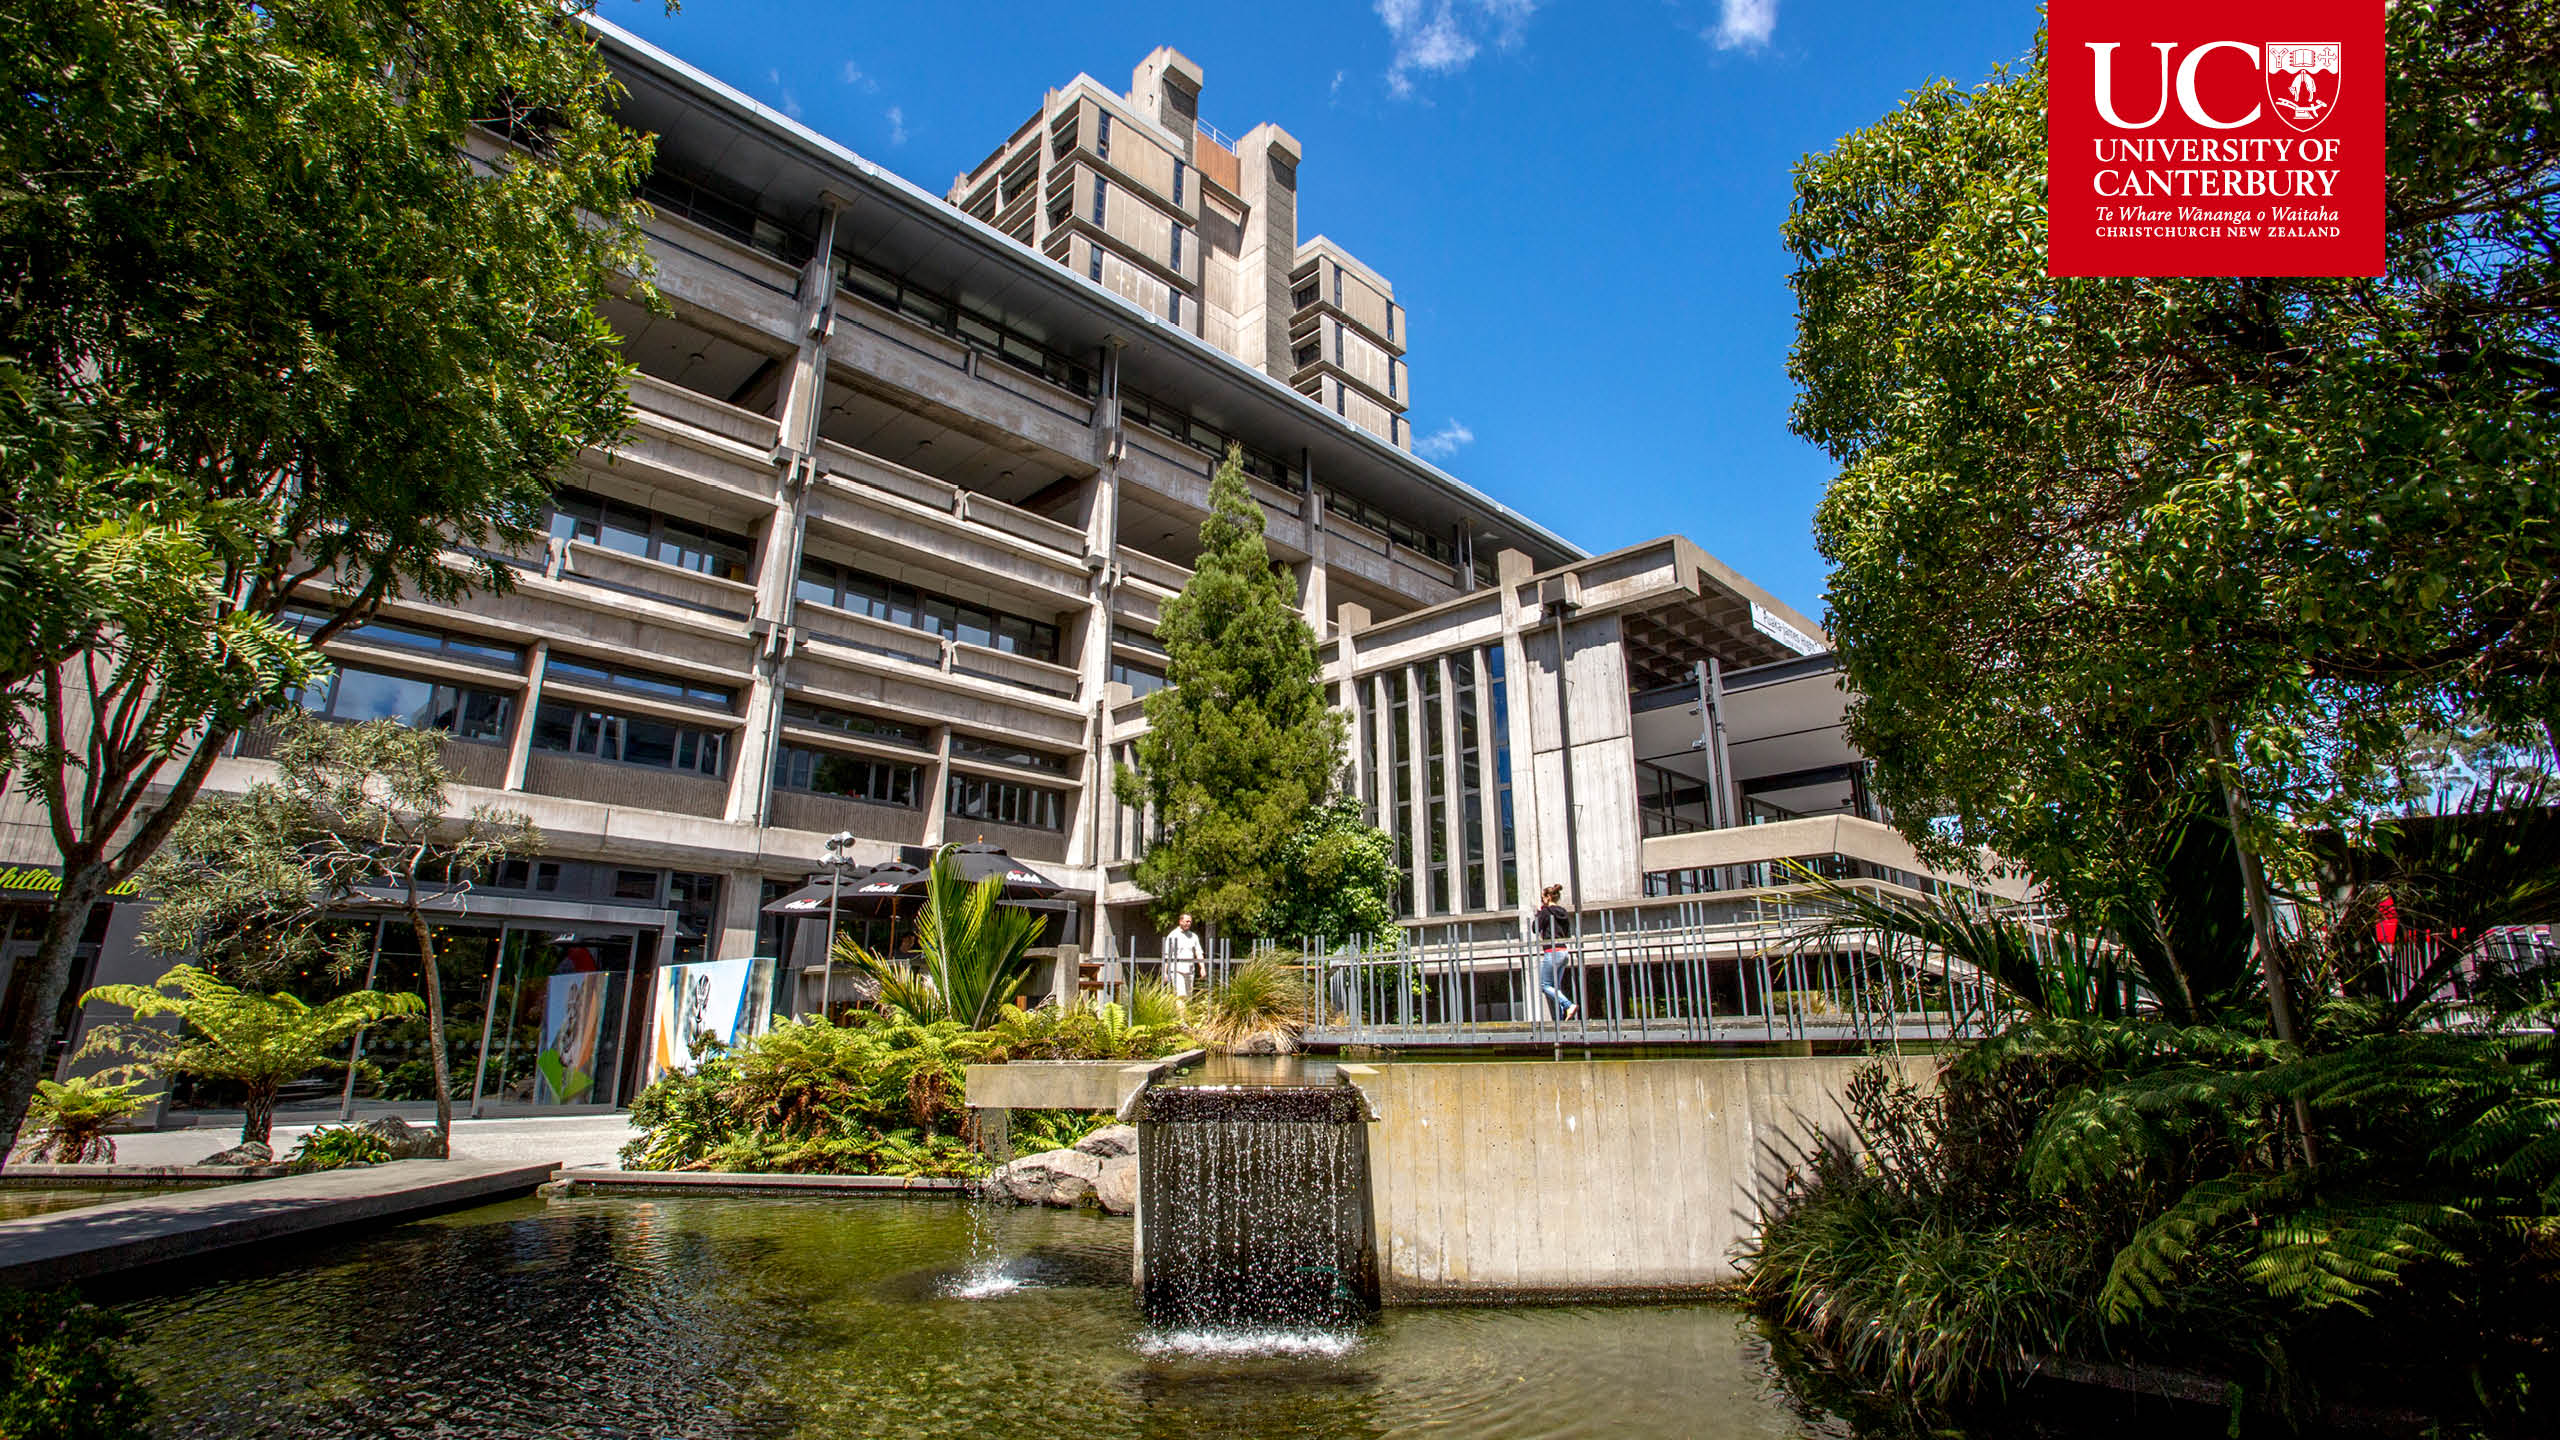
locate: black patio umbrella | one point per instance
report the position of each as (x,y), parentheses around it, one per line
(978,861)
(811,899)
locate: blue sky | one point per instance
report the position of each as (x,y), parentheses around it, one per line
(1578,204)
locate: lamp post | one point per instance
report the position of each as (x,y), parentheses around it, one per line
(836,845)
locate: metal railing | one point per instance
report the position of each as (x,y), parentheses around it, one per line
(1663,974)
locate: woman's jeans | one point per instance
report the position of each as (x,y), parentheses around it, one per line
(1551,969)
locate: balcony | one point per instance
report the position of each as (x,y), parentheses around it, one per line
(630,787)
(586,563)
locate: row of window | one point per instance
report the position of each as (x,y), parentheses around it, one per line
(465,712)
(889,782)
(902,604)
(392,634)
(633,530)
(608,676)
(629,739)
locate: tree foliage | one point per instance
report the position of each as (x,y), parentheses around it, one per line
(2079,519)
(1334,878)
(67,1124)
(59,1375)
(254,1039)
(357,814)
(298,305)
(1241,744)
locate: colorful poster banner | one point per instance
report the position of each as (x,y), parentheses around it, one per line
(711,1002)
(572,1023)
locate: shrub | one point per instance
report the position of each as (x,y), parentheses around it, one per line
(59,1376)
(1035,1131)
(334,1147)
(67,1120)
(1262,996)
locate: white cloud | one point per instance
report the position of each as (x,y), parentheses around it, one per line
(1444,442)
(1435,37)
(790,102)
(1335,88)
(853,76)
(897,115)
(1745,24)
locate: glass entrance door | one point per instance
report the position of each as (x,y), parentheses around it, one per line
(562,1020)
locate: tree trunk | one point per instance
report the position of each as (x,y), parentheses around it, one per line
(258,1113)
(35,992)
(2262,924)
(434,977)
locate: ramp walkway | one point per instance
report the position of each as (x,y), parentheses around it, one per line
(131,1235)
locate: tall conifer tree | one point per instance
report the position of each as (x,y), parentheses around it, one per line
(1241,744)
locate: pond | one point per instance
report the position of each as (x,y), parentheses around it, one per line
(20,1201)
(788,1317)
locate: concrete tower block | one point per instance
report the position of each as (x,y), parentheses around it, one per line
(1268,182)
(1166,89)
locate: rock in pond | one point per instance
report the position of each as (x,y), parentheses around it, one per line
(1067,1179)
(1110,1141)
(246,1153)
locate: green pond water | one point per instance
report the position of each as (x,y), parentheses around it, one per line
(20,1201)
(721,1317)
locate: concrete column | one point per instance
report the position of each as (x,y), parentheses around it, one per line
(1417,817)
(1452,763)
(938,801)
(1313,600)
(795,459)
(1355,700)
(520,747)
(1102,576)
(1489,781)
(1527,801)
(741,911)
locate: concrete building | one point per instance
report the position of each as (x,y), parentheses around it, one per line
(1141,196)
(885,545)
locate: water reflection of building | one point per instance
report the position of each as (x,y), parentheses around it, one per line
(884,550)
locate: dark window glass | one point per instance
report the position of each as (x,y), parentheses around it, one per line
(1102,139)
(1141,679)
(635,884)
(628,739)
(819,717)
(356,694)
(578,515)
(1178,168)
(1004,802)
(638,682)
(854,777)
(1097,262)
(1177,253)
(1101,194)
(996,753)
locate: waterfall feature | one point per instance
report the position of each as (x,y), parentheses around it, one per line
(1253,1206)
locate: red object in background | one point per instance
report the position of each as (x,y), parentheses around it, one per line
(2386,928)
(2214,139)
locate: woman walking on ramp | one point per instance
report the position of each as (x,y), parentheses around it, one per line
(1555,929)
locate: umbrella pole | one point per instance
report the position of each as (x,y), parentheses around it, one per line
(835,887)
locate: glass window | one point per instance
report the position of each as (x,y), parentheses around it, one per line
(819,717)
(853,777)
(1101,194)
(628,739)
(1141,679)
(357,694)
(578,515)
(1005,802)
(1178,168)
(1097,258)
(995,753)
(1102,137)
(638,682)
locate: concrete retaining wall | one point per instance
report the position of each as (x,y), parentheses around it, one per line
(1585,1177)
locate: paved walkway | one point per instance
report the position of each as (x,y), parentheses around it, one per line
(575,1141)
(128,1235)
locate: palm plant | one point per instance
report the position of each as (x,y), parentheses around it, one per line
(255,1040)
(972,951)
(2050,970)
(68,1119)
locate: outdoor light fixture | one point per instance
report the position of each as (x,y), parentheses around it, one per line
(837,844)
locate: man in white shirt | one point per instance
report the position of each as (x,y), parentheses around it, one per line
(1182,953)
